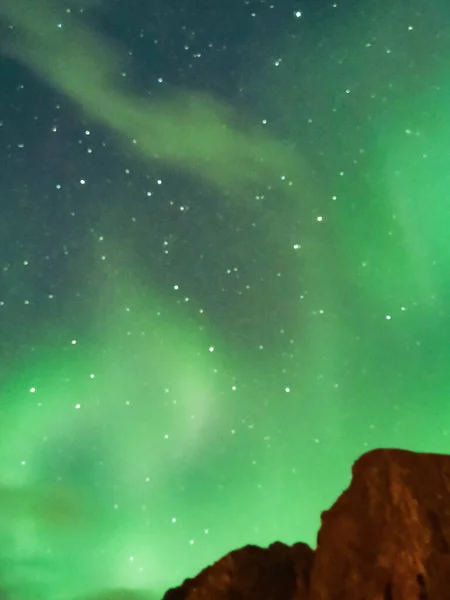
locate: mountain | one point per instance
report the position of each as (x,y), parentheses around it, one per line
(387,537)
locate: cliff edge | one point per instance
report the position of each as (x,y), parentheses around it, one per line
(387,537)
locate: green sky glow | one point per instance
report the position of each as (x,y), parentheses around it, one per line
(174,411)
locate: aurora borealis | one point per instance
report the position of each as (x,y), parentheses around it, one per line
(224,275)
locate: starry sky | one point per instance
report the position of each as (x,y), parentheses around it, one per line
(224,274)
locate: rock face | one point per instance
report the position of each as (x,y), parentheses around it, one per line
(387,537)
(251,572)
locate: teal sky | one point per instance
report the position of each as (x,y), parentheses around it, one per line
(255,294)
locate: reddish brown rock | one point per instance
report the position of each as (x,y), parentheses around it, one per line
(251,573)
(386,538)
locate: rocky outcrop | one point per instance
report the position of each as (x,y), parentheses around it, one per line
(387,537)
(253,573)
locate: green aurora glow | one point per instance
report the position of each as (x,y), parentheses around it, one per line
(159,394)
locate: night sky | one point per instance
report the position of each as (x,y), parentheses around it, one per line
(224,274)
